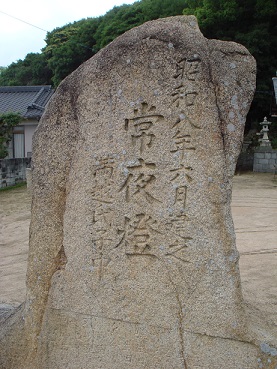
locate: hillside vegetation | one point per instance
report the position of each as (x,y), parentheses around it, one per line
(249,22)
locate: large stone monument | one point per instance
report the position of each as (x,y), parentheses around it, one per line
(132,260)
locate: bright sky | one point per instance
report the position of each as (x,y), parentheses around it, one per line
(18,39)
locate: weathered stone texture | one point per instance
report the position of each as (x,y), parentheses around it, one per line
(132,258)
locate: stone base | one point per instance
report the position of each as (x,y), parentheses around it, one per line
(265,160)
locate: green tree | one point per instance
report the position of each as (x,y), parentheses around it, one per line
(7,122)
(117,21)
(33,70)
(251,23)
(122,18)
(2,69)
(215,17)
(69,46)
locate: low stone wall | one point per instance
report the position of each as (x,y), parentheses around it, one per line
(13,171)
(265,160)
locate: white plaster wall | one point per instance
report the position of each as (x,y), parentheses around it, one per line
(29,131)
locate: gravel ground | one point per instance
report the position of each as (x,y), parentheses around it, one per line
(254,208)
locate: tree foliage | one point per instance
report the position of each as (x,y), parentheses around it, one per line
(249,22)
(69,46)
(33,70)
(2,69)
(122,18)
(7,122)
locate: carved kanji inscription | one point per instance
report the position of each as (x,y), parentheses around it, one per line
(142,126)
(139,181)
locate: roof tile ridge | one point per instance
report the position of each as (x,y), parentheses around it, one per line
(33,102)
(22,88)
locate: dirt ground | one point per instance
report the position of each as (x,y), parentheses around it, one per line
(254,208)
(15,206)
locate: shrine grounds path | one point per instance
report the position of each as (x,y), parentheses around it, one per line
(254,208)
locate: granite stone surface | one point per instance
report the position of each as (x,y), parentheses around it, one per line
(132,260)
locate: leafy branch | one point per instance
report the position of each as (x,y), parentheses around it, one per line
(7,122)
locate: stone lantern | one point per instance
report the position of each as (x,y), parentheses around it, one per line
(264,140)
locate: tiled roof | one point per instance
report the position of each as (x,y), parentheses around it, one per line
(29,101)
